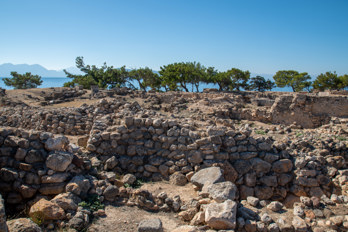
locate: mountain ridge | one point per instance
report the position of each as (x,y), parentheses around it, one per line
(35,69)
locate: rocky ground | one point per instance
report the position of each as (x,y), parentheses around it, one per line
(132,161)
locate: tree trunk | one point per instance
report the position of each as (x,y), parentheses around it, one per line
(197,85)
(184,87)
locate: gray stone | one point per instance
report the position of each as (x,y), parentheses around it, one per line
(299,224)
(273,227)
(52,189)
(282,166)
(55,178)
(260,166)
(67,201)
(223,191)
(221,216)
(110,193)
(78,185)
(22,225)
(129,179)
(59,161)
(212,175)
(150,225)
(58,143)
(275,206)
(242,166)
(298,211)
(8,174)
(253,201)
(263,192)
(178,178)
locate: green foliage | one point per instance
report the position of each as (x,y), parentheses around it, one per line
(177,76)
(260,132)
(233,79)
(341,138)
(38,218)
(299,134)
(343,81)
(297,81)
(23,81)
(222,80)
(260,84)
(93,203)
(239,79)
(137,184)
(104,77)
(330,80)
(145,78)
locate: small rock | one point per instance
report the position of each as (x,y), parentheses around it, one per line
(299,224)
(253,201)
(275,206)
(129,179)
(178,178)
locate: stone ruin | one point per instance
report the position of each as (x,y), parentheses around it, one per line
(237,173)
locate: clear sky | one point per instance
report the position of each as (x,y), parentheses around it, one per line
(262,36)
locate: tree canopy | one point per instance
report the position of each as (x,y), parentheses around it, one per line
(146,78)
(297,81)
(259,83)
(104,77)
(188,76)
(178,76)
(330,80)
(239,79)
(23,81)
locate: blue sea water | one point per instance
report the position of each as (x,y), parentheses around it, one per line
(48,82)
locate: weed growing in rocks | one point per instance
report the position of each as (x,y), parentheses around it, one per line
(92,204)
(260,132)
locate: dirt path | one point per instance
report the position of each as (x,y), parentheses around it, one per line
(127,219)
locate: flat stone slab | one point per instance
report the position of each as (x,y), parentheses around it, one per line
(212,175)
(150,225)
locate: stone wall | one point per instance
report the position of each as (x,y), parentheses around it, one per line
(35,163)
(157,148)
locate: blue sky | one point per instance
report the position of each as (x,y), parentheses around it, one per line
(261,36)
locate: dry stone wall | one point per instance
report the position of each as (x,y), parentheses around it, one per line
(158,148)
(36,163)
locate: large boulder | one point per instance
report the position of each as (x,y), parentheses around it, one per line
(23,225)
(46,210)
(222,191)
(150,225)
(221,216)
(212,175)
(59,161)
(67,201)
(58,143)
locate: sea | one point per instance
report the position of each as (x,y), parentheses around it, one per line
(48,82)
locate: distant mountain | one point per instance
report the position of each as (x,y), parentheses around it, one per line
(36,69)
